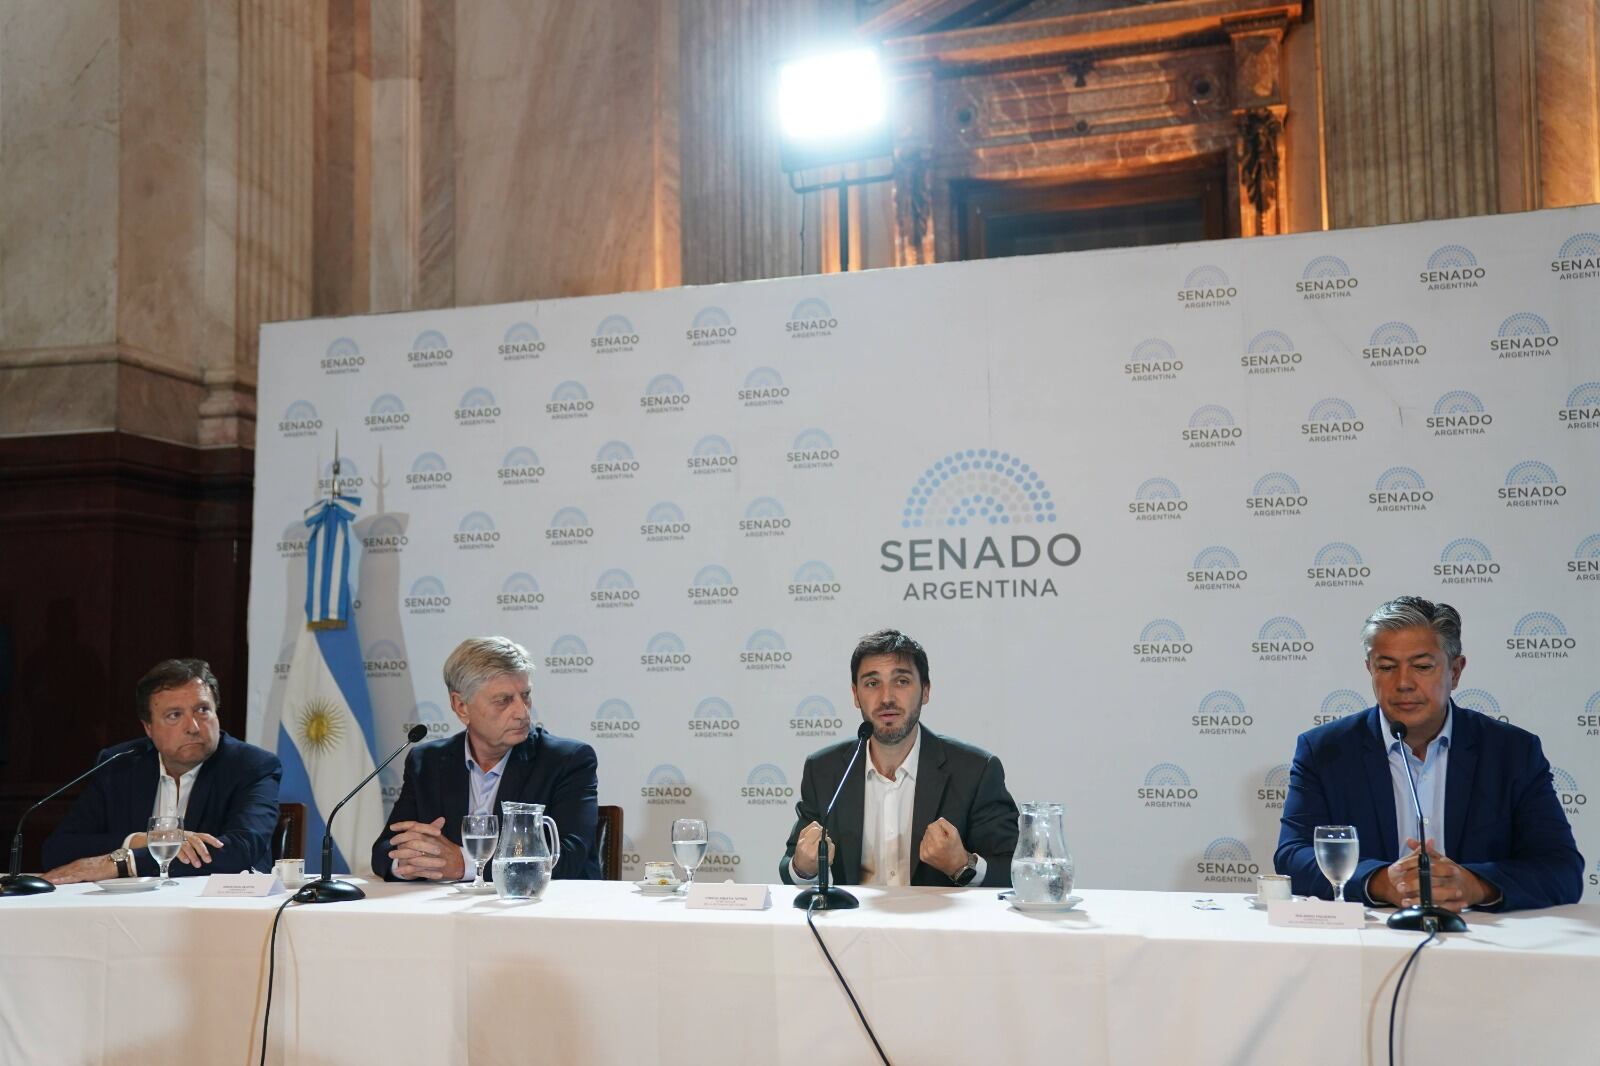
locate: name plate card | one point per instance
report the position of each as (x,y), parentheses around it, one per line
(238,886)
(704,896)
(1316,914)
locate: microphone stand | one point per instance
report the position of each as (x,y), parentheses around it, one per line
(17,883)
(824,896)
(1424,917)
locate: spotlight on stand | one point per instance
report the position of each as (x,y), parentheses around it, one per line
(833,109)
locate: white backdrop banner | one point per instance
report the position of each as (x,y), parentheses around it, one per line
(1136,504)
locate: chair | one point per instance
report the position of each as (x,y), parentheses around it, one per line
(609,844)
(289,838)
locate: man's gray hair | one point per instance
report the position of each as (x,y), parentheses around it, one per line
(1406,612)
(478,660)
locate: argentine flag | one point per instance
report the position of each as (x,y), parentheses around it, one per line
(325,735)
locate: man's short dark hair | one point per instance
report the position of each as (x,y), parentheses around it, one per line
(173,673)
(890,642)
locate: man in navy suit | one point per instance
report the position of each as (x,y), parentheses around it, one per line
(499,756)
(1496,834)
(226,791)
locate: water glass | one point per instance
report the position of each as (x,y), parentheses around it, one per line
(479,833)
(164,839)
(689,844)
(1338,851)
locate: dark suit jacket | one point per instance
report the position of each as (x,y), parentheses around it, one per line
(1502,819)
(962,784)
(561,774)
(234,798)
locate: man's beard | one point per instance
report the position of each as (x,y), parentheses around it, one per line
(894,736)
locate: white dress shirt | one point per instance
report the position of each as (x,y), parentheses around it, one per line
(172,796)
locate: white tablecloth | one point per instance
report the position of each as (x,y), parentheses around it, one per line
(596,973)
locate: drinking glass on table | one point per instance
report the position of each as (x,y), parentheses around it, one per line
(478,835)
(1338,851)
(164,839)
(689,844)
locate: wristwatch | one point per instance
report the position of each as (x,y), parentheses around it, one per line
(123,859)
(964,876)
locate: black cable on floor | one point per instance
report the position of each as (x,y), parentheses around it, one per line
(844,984)
(1394,1004)
(272,961)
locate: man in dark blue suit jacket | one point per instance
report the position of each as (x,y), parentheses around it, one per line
(1506,843)
(226,789)
(497,757)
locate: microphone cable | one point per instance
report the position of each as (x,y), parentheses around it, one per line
(272,963)
(1394,1004)
(843,983)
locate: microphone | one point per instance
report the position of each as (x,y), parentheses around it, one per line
(1425,917)
(823,896)
(16,883)
(325,889)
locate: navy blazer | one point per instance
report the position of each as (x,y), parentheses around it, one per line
(561,774)
(234,798)
(1502,819)
(964,785)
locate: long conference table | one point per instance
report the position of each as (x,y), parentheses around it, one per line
(598,973)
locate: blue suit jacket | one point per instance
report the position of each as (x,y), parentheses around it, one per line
(234,798)
(1502,819)
(559,773)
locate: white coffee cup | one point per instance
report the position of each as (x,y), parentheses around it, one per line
(660,873)
(292,872)
(1272,886)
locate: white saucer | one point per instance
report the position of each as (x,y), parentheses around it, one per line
(1261,905)
(1043,906)
(129,884)
(651,888)
(467,888)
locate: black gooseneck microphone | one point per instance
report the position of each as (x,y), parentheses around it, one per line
(325,889)
(16,883)
(822,896)
(1424,917)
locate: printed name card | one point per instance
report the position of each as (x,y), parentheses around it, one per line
(236,886)
(704,896)
(1316,914)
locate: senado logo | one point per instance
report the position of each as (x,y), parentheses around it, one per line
(386,535)
(614,462)
(1221,713)
(815,717)
(614,720)
(1582,410)
(1217,568)
(435,719)
(665,654)
(711,327)
(476,533)
(1157,499)
(383,658)
(519,592)
(631,859)
(1212,426)
(387,414)
(764,518)
(614,588)
(1327,277)
(1167,785)
(665,521)
(1585,562)
(712,587)
(292,545)
(429,349)
(1532,484)
(1337,565)
(665,786)
(766,786)
(813,449)
(427,596)
(1274,789)
(809,319)
(1271,352)
(1481,701)
(765,650)
(1162,641)
(814,582)
(712,455)
(1282,640)
(1524,335)
(568,526)
(477,408)
(1394,344)
(350,479)
(1227,861)
(569,400)
(1540,635)
(521,341)
(713,717)
(1337,704)
(664,395)
(1451,267)
(343,357)
(985,488)
(1152,360)
(428,473)
(521,466)
(1400,488)
(1466,561)
(1573,801)
(763,387)
(1331,420)
(1207,286)
(1578,259)
(569,655)
(1459,413)
(1589,720)
(299,420)
(614,335)
(1276,495)
(720,855)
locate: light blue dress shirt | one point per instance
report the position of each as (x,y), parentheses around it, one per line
(1430,773)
